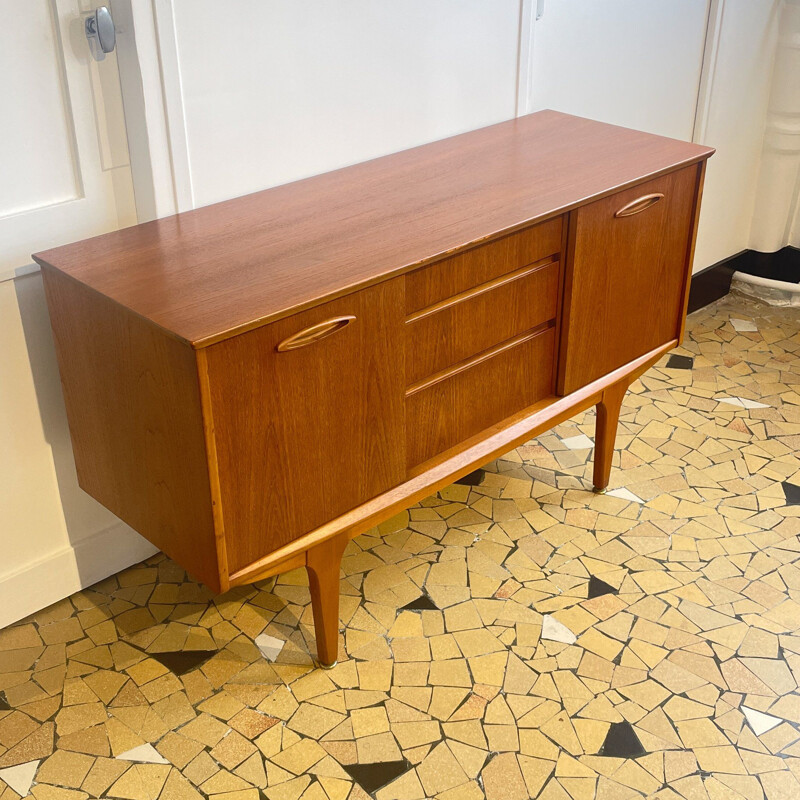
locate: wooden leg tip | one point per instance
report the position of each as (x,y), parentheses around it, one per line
(598,491)
(327,666)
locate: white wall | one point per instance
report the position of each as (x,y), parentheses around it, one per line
(776,217)
(733,115)
(626,62)
(297,89)
(691,69)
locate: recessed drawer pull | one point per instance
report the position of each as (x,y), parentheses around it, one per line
(314,333)
(639,204)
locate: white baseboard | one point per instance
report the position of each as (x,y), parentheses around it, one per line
(57,575)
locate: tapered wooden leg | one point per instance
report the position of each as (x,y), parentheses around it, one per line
(323,563)
(606,433)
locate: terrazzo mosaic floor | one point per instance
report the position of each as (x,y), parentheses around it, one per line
(514,636)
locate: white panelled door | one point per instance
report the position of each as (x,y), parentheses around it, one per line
(626,62)
(64,176)
(64,170)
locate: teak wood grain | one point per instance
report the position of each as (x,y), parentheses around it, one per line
(449,466)
(625,277)
(463,402)
(479,265)
(207,274)
(251,384)
(608,409)
(135,419)
(480,319)
(308,433)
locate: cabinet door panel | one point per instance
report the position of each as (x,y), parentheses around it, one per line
(627,272)
(305,434)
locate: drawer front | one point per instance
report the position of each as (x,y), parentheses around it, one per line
(308,418)
(626,276)
(479,319)
(444,279)
(444,413)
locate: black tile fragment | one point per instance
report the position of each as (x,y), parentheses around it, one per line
(473,479)
(422,603)
(597,588)
(622,742)
(372,777)
(792,493)
(183,661)
(680,362)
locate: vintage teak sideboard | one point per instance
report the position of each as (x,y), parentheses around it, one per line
(252,383)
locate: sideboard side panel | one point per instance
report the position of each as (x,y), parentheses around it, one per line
(133,406)
(307,434)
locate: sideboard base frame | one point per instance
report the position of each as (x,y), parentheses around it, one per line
(320,551)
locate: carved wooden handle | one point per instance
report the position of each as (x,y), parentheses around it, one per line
(314,333)
(639,204)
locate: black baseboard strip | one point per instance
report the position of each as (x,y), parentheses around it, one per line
(714,282)
(782,265)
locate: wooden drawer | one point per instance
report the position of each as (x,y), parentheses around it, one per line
(450,277)
(477,394)
(626,276)
(479,319)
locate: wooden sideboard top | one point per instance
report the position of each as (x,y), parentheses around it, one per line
(208,274)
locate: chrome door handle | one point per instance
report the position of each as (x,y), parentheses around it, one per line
(100,32)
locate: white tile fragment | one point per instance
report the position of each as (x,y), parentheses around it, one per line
(579,442)
(269,646)
(742,402)
(759,721)
(743,325)
(556,631)
(20,777)
(625,494)
(145,753)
